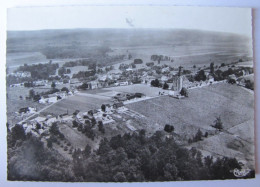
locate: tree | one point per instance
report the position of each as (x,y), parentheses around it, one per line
(31,93)
(65,89)
(17,133)
(75,123)
(61,71)
(49,143)
(53,85)
(218,123)
(198,136)
(249,84)
(87,151)
(184,92)
(101,127)
(54,129)
(119,177)
(212,67)
(155,83)
(103,107)
(36,98)
(231,81)
(84,86)
(68,71)
(200,76)
(38,126)
(168,128)
(165,86)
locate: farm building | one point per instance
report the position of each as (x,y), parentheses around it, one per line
(125,83)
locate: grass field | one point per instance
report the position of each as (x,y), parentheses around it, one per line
(184,55)
(77,102)
(233,104)
(14,103)
(141,88)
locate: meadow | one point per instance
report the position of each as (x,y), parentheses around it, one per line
(82,103)
(234,105)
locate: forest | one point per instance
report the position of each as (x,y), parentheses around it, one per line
(124,158)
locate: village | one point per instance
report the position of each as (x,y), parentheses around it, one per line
(111,89)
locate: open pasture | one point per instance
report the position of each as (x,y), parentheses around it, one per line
(82,103)
(233,104)
(14,103)
(138,88)
(184,55)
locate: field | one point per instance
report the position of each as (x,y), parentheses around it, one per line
(184,55)
(81,102)
(141,88)
(233,104)
(14,103)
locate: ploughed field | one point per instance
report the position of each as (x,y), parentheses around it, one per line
(232,103)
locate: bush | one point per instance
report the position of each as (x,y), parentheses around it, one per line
(165,86)
(168,128)
(232,81)
(184,92)
(155,83)
(65,89)
(200,76)
(74,124)
(218,123)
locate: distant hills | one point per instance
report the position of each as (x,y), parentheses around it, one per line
(102,39)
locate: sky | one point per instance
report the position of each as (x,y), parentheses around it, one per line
(234,20)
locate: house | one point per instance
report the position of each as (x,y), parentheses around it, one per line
(129,69)
(165,70)
(125,83)
(94,85)
(118,105)
(22,74)
(39,119)
(164,78)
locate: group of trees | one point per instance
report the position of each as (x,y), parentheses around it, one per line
(129,157)
(63,71)
(136,158)
(200,76)
(40,71)
(84,74)
(138,61)
(198,136)
(156,83)
(218,124)
(160,58)
(34,96)
(81,62)
(86,128)
(30,160)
